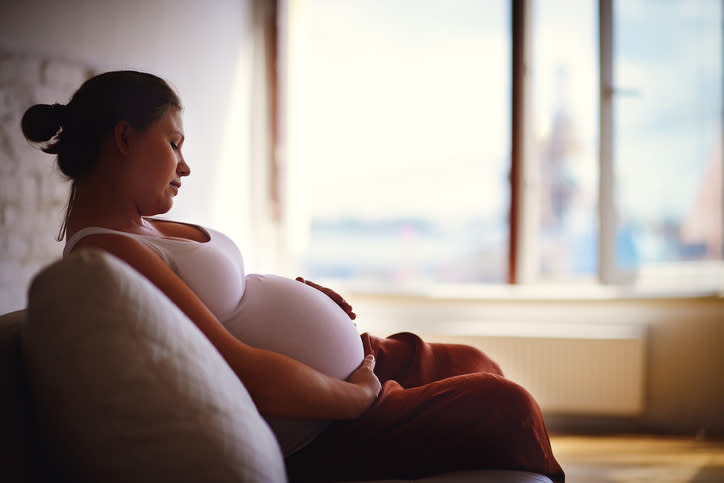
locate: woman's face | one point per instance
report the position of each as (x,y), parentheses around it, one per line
(157,164)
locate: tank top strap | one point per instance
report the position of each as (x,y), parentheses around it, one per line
(97,230)
(91,230)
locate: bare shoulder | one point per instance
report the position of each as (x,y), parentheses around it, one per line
(127,248)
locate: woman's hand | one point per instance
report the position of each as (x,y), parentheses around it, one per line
(337,298)
(365,379)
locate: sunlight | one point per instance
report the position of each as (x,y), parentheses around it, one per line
(230,208)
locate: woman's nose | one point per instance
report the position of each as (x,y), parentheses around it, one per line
(182,169)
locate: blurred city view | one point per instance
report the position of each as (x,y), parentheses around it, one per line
(399,116)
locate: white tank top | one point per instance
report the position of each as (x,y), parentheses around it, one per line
(265,311)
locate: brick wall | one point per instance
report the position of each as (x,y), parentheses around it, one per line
(33,193)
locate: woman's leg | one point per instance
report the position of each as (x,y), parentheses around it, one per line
(471,421)
(412,362)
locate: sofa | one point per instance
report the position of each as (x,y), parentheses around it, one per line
(105,379)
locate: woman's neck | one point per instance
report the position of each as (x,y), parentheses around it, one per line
(96,204)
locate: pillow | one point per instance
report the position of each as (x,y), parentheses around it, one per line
(128,389)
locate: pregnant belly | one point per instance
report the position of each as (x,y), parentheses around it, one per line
(291,318)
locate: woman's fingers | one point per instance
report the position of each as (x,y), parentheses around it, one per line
(369,362)
(337,298)
(365,371)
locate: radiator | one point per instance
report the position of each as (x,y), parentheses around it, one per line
(568,369)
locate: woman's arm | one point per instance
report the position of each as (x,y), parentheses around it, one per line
(279,385)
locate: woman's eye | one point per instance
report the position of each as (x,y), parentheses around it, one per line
(174,146)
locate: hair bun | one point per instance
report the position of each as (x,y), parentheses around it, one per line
(43,121)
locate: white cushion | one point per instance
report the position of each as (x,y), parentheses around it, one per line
(128,389)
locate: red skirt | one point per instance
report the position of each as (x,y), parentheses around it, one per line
(442,408)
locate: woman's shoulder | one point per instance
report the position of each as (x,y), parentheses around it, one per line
(86,236)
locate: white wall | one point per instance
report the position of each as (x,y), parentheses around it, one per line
(193,44)
(200,47)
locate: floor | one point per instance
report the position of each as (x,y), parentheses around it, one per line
(638,458)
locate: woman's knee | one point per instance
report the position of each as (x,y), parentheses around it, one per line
(502,396)
(474,360)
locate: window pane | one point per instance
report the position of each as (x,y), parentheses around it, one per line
(668,130)
(565,113)
(397,135)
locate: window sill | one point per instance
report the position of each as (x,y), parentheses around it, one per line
(529,292)
(679,281)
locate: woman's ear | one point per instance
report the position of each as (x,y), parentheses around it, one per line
(120,136)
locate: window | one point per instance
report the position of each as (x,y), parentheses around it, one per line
(396,140)
(398,135)
(562,161)
(667,133)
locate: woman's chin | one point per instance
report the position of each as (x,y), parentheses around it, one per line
(159,208)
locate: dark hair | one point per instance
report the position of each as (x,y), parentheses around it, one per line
(75,131)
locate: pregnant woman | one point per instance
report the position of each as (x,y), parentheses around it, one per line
(343,406)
